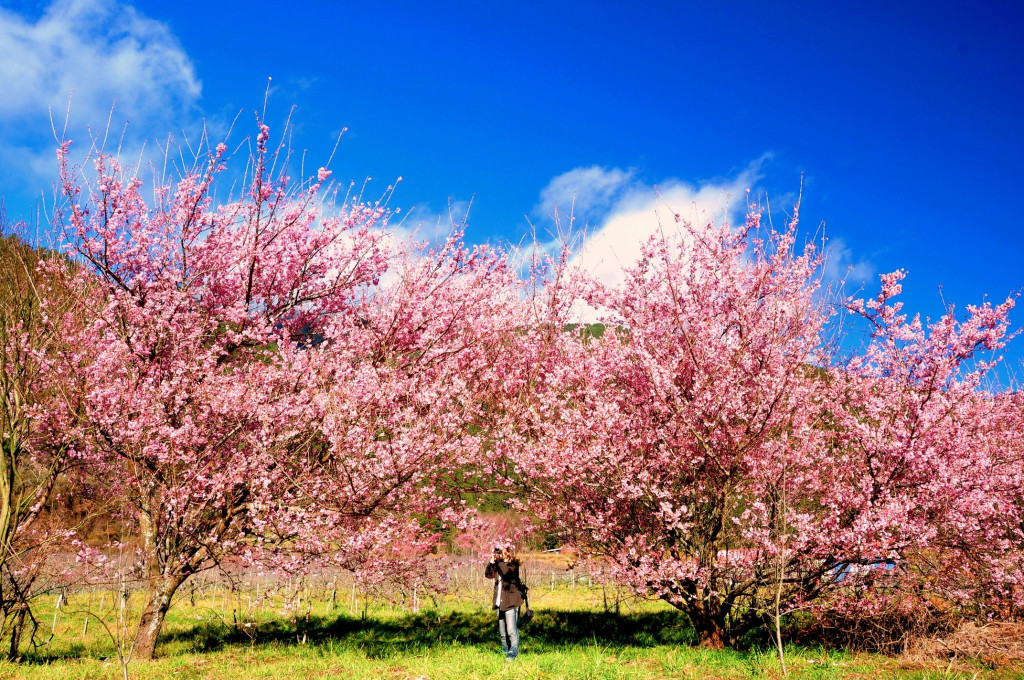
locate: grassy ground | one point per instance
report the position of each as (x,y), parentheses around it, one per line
(571,637)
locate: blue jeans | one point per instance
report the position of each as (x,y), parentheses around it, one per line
(508,632)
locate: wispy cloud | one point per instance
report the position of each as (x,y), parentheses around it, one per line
(425,223)
(101,50)
(584,193)
(842,267)
(623,212)
(108,55)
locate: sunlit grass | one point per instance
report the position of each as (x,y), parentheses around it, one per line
(573,636)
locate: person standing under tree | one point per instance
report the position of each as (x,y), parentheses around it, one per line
(504,569)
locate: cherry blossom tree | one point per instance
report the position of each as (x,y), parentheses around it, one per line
(658,445)
(707,449)
(277,378)
(37,396)
(398,411)
(199,316)
(927,459)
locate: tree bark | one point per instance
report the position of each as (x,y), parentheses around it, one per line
(152,620)
(17,628)
(711,633)
(708,619)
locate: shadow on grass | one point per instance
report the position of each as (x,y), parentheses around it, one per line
(398,635)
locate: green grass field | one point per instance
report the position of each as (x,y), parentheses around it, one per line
(571,637)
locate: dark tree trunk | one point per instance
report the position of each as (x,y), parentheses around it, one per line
(152,620)
(708,618)
(17,628)
(711,632)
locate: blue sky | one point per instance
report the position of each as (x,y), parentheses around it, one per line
(904,118)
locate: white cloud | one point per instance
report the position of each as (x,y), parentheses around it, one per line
(101,50)
(100,54)
(624,213)
(584,193)
(423,223)
(840,266)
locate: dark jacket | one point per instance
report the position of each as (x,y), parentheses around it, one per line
(511,595)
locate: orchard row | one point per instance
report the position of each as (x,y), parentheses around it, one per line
(280,378)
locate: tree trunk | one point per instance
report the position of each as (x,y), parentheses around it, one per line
(17,628)
(709,622)
(707,618)
(152,620)
(712,636)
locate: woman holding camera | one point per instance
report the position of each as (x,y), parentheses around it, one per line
(504,569)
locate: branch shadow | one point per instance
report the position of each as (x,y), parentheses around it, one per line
(402,634)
